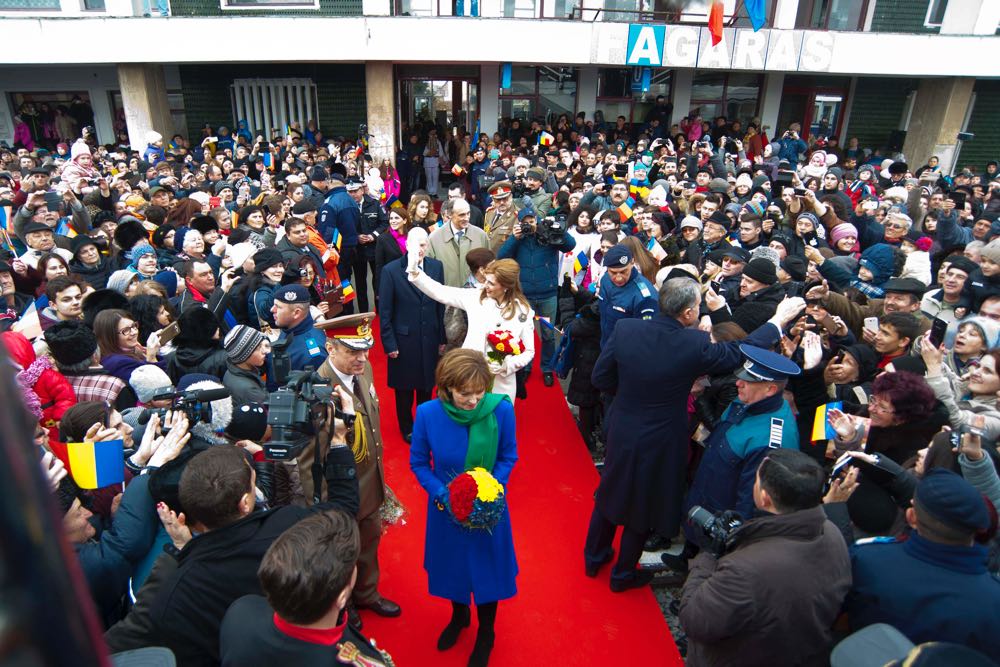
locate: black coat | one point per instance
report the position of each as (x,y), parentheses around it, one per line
(586,333)
(374,221)
(208,360)
(642,486)
(386,250)
(752,311)
(411,323)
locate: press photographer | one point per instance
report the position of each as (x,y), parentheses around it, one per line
(772,598)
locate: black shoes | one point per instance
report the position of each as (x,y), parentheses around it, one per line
(636,579)
(481,651)
(656,543)
(353,617)
(548,378)
(460,618)
(383,607)
(675,563)
(591,569)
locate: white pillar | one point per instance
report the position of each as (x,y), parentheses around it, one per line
(938,116)
(381,102)
(586,91)
(489,97)
(770,100)
(144,96)
(785,12)
(680,93)
(971,17)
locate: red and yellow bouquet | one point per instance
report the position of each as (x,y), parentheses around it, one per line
(501,344)
(476,499)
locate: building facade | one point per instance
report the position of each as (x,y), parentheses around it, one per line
(899,74)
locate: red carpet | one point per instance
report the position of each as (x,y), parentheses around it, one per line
(559,616)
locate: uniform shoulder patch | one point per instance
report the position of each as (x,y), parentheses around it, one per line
(644,290)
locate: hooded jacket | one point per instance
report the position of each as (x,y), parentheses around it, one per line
(55,394)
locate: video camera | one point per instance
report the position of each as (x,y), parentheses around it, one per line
(293,411)
(719,529)
(196,404)
(551,230)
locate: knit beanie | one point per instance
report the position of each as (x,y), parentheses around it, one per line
(759,180)
(119,280)
(843,230)
(169,281)
(241,341)
(744,180)
(991,251)
(761,270)
(988,329)
(766,252)
(752,210)
(149,380)
(719,185)
(79,148)
(179,238)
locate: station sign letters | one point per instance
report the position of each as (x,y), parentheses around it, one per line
(740,49)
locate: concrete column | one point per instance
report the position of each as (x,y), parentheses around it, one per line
(144,96)
(680,93)
(770,100)
(971,17)
(938,115)
(785,12)
(489,97)
(380,88)
(586,90)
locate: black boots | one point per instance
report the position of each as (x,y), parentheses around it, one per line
(460,615)
(460,619)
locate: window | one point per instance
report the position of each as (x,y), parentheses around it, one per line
(542,92)
(270,4)
(616,97)
(935,13)
(272,104)
(733,95)
(29,5)
(832,14)
(519,9)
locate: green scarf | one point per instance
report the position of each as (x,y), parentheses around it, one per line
(484,434)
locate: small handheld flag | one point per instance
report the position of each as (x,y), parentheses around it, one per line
(336,239)
(457,170)
(581,262)
(545,139)
(821,424)
(95,465)
(348,291)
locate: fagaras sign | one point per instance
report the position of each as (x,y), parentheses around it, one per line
(740,48)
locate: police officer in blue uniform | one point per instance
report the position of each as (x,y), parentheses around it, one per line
(341,212)
(623,291)
(758,421)
(291,315)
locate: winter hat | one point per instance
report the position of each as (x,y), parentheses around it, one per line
(952,500)
(79,148)
(761,270)
(140,250)
(198,325)
(924,244)
(161,233)
(991,251)
(796,267)
(744,180)
(202,198)
(719,218)
(759,180)
(880,260)
(810,217)
(866,167)
(223,185)
(120,280)
(184,384)
(691,221)
(249,422)
(962,263)
(70,342)
(527,211)
(752,210)
(988,329)
(129,232)
(169,281)
(719,185)
(766,252)
(241,341)
(149,380)
(521,162)
(867,359)
(102,299)
(843,230)
(80,242)
(179,238)
(205,223)
(266,258)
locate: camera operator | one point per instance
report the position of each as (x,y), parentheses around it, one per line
(765,601)
(307,576)
(541,200)
(539,252)
(183,601)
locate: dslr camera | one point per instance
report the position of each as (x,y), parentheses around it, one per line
(719,529)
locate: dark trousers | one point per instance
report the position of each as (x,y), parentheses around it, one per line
(404,407)
(345,268)
(366,587)
(597,549)
(360,268)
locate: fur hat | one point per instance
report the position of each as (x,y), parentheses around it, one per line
(149,380)
(266,258)
(102,299)
(70,342)
(198,326)
(130,232)
(766,252)
(205,223)
(719,185)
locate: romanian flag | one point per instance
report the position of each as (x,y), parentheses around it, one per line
(821,425)
(625,210)
(348,291)
(457,170)
(545,139)
(65,229)
(581,262)
(336,240)
(97,464)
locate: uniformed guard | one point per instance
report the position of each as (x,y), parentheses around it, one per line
(758,421)
(623,291)
(501,216)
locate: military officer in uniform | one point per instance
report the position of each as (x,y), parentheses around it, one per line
(623,291)
(348,343)
(501,216)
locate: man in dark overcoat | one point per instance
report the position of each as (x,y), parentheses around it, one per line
(642,485)
(412,330)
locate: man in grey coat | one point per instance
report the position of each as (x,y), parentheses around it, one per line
(452,241)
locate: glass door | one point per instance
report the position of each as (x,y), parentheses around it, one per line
(444,103)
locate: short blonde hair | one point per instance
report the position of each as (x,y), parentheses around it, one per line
(460,370)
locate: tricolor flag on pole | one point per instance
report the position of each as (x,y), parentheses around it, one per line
(545,139)
(348,291)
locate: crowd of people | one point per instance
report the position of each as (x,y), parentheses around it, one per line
(784,352)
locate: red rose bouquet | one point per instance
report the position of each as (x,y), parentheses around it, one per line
(476,499)
(501,344)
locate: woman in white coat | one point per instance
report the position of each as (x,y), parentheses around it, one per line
(498,305)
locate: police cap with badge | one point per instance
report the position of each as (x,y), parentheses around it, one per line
(293,295)
(762,365)
(353,331)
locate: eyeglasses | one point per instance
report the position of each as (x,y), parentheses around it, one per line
(129,329)
(878,405)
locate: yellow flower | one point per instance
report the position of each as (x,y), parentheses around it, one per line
(488,488)
(500,347)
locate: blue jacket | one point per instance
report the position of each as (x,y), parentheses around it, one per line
(637,298)
(309,346)
(739,443)
(152,154)
(950,233)
(259,305)
(539,264)
(461,561)
(342,213)
(928,591)
(791,149)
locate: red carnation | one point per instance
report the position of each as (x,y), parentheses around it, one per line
(461,495)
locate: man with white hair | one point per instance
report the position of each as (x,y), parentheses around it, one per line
(451,242)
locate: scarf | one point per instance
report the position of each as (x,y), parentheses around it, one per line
(484,433)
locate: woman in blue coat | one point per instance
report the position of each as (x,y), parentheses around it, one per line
(465,427)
